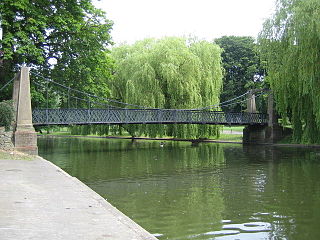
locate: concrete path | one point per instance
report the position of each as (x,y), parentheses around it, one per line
(38,200)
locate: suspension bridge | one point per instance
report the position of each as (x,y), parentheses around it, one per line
(111,111)
(125,113)
(43,117)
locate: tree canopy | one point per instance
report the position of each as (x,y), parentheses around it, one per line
(241,62)
(65,40)
(169,73)
(290,42)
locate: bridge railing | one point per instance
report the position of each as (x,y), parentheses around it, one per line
(142,116)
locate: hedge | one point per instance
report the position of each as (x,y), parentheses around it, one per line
(6,114)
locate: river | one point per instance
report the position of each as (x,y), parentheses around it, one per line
(211,191)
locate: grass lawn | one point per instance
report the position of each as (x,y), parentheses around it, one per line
(223,136)
(234,128)
(230,137)
(14,156)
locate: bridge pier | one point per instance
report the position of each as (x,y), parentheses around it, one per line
(25,137)
(262,134)
(254,134)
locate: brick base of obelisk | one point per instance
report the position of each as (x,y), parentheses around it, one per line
(26,141)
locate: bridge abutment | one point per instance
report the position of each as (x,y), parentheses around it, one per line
(262,134)
(254,134)
(25,137)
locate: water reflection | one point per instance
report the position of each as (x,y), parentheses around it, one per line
(210,191)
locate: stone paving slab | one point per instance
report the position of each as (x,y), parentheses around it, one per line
(38,200)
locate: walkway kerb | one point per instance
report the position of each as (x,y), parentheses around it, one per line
(40,201)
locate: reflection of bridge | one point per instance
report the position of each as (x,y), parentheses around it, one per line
(25,136)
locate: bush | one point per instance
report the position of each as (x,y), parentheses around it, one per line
(6,114)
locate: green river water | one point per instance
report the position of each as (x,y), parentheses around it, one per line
(209,191)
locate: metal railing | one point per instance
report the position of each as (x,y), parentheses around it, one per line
(143,116)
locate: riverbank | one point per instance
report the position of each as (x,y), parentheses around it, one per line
(192,141)
(39,200)
(231,135)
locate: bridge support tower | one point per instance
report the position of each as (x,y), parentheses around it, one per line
(25,137)
(270,133)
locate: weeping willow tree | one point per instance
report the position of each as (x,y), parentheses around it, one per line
(171,73)
(290,42)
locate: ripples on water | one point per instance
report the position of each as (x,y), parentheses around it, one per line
(250,230)
(207,192)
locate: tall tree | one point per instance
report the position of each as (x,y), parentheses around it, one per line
(290,42)
(169,73)
(72,35)
(242,67)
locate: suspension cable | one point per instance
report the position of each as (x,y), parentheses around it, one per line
(222,104)
(225,105)
(77,98)
(89,94)
(4,86)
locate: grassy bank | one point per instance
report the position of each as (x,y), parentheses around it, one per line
(225,137)
(233,128)
(230,137)
(14,156)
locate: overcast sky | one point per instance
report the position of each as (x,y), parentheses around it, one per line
(206,19)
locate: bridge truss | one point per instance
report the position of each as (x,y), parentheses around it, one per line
(143,116)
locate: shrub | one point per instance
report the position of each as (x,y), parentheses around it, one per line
(6,114)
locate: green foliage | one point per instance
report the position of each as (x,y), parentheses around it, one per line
(6,114)
(90,129)
(241,62)
(72,33)
(169,73)
(290,42)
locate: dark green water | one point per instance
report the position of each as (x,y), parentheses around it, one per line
(209,191)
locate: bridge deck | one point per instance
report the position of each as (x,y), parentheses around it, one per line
(143,116)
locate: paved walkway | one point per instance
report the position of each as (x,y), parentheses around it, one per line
(40,201)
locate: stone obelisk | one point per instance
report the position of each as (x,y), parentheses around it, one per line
(25,137)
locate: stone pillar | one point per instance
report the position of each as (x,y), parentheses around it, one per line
(260,133)
(251,103)
(15,95)
(25,137)
(274,132)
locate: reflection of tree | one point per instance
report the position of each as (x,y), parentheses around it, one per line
(293,192)
(181,190)
(177,190)
(243,179)
(174,190)
(275,185)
